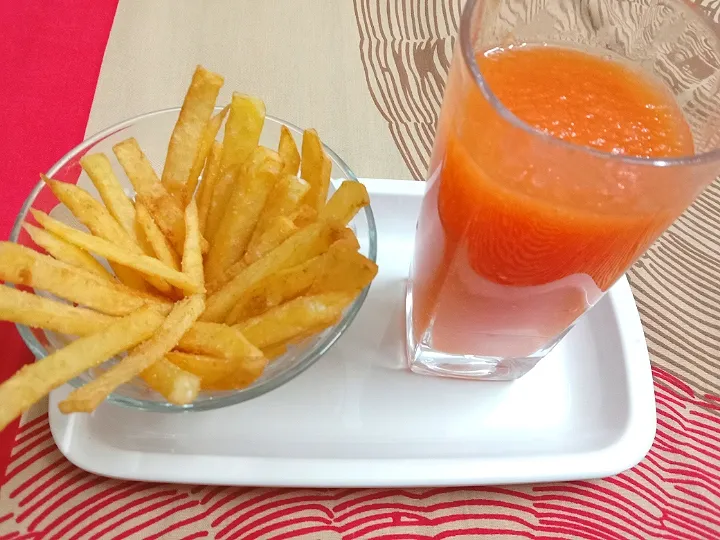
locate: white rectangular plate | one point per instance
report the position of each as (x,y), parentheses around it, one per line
(359,418)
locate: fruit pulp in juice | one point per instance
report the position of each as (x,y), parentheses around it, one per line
(510,251)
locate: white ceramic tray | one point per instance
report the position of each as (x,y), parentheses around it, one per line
(359,418)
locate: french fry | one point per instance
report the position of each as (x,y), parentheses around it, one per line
(257,178)
(340,269)
(349,198)
(288,151)
(344,270)
(98,168)
(278,230)
(136,165)
(66,252)
(242,129)
(40,312)
(277,288)
(212,370)
(274,352)
(282,201)
(23,266)
(219,340)
(303,245)
(207,186)
(95,217)
(180,319)
(348,239)
(149,266)
(208,141)
(192,260)
(304,215)
(174,384)
(315,169)
(294,318)
(34,381)
(187,136)
(242,134)
(160,245)
(216,207)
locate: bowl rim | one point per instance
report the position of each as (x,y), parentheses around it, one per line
(232,397)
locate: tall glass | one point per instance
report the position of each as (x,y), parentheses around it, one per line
(506,260)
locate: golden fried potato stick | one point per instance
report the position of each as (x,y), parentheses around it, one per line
(278,230)
(315,169)
(304,215)
(96,217)
(208,141)
(174,384)
(40,312)
(148,266)
(215,339)
(34,381)
(192,260)
(212,370)
(242,134)
(347,201)
(66,252)
(288,151)
(295,318)
(256,181)
(23,266)
(180,319)
(207,186)
(160,245)
(303,245)
(282,202)
(99,169)
(187,136)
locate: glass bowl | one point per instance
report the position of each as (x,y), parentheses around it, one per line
(152,132)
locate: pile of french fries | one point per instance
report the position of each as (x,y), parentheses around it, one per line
(214,269)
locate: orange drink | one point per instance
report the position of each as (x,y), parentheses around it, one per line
(553,170)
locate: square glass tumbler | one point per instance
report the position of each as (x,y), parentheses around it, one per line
(521,230)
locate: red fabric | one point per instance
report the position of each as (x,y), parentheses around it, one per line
(51,57)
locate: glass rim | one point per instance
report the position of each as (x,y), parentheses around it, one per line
(468,55)
(232,397)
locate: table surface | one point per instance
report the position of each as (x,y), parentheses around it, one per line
(80,66)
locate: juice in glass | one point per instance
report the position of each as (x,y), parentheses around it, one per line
(544,187)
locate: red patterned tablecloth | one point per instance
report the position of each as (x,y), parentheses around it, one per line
(51,60)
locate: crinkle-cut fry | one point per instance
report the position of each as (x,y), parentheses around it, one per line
(207,186)
(208,141)
(161,247)
(100,222)
(178,386)
(304,215)
(315,169)
(216,206)
(256,180)
(215,339)
(347,201)
(34,381)
(278,230)
(40,312)
(192,261)
(23,266)
(303,245)
(99,169)
(149,266)
(288,151)
(295,318)
(282,202)
(66,252)
(212,370)
(187,136)
(181,318)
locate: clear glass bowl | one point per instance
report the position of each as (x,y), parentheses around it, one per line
(152,131)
